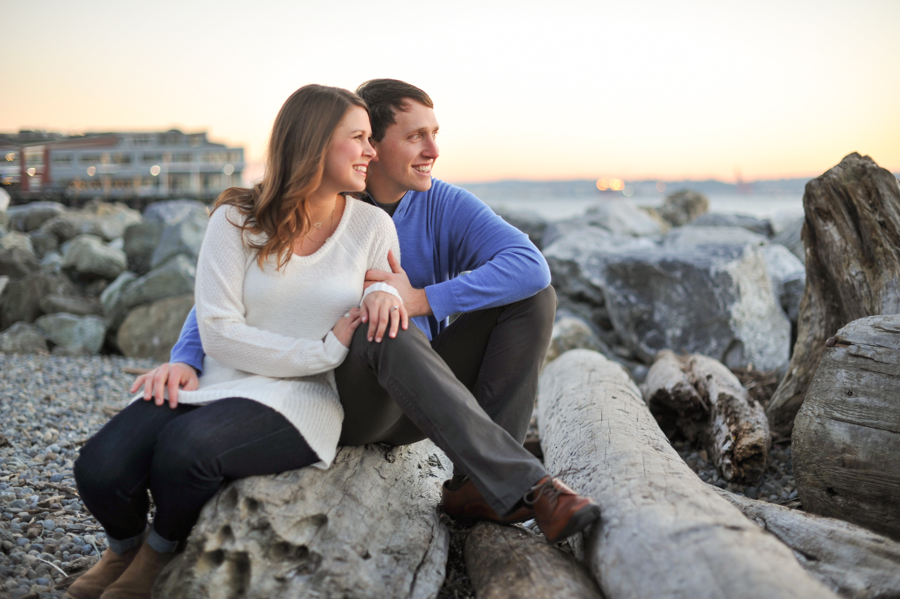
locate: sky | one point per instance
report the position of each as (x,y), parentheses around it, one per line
(646,89)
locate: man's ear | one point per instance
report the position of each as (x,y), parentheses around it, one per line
(375,145)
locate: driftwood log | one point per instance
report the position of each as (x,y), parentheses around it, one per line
(854,562)
(708,403)
(662,532)
(846,441)
(366,527)
(507,562)
(852,241)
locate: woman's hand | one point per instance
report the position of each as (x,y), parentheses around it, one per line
(380,308)
(175,375)
(346,326)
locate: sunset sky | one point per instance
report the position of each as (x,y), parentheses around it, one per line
(526,90)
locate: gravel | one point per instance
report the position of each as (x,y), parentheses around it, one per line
(49,406)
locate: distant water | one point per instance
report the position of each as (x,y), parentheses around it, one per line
(559,208)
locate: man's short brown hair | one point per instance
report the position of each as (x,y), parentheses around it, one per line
(384,96)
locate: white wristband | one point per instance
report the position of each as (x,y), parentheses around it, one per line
(380,287)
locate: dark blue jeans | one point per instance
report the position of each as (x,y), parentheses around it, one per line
(182,456)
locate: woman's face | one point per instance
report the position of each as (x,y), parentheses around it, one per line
(349,153)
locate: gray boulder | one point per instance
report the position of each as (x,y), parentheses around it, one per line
(151,330)
(170,212)
(21,298)
(751,223)
(791,239)
(175,277)
(141,240)
(72,304)
(788,276)
(4,281)
(529,223)
(73,335)
(14,239)
(712,300)
(369,526)
(22,338)
(574,333)
(87,258)
(622,217)
(43,242)
(4,201)
(110,296)
(16,262)
(576,261)
(682,207)
(52,263)
(29,217)
(694,235)
(183,237)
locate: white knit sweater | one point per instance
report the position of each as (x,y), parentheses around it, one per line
(267,332)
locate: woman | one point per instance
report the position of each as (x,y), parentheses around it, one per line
(279,277)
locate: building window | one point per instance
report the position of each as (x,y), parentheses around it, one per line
(195,140)
(143,140)
(89,158)
(62,159)
(152,158)
(121,158)
(182,157)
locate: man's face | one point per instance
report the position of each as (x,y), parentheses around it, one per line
(407,153)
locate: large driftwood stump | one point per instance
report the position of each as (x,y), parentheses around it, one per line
(366,527)
(854,562)
(507,562)
(846,441)
(852,240)
(663,532)
(708,403)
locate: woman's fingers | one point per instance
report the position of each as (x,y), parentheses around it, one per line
(395,321)
(404,317)
(159,383)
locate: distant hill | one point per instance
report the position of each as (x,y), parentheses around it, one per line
(498,190)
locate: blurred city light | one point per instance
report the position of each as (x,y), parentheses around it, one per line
(602,184)
(228,169)
(628,191)
(31,172)
(661,186)
(11,156)
(154,170)
(91,171)
(616,184)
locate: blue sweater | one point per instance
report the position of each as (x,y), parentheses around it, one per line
(443,232)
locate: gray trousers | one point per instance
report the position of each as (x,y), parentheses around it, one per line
(471,390)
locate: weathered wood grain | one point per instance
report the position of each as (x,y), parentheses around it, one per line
(851,237)
(854,562)
(709,403)
(846,440)
(662,532)
(507,562)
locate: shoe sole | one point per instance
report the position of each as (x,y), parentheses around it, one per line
(578,522)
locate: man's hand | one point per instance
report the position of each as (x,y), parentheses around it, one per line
(381,308)
(175,375)
(415,300)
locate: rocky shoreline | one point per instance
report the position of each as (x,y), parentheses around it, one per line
(51,405)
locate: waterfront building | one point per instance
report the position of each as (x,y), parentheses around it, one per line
(118,165)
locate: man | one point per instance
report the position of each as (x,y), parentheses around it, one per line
(470,385)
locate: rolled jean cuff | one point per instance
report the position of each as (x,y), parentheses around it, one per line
(159,544)
(120,547)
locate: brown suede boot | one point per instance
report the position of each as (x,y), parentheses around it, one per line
(92,583)
(137,581)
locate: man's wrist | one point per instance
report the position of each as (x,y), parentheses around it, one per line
(419,304)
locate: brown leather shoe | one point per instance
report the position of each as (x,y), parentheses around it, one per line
(92,583)
(466,505)
(137,581)
(559,511)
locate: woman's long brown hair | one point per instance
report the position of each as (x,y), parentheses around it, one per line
(276,208)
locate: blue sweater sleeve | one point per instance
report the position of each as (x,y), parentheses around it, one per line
(505,266)
(188,349)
